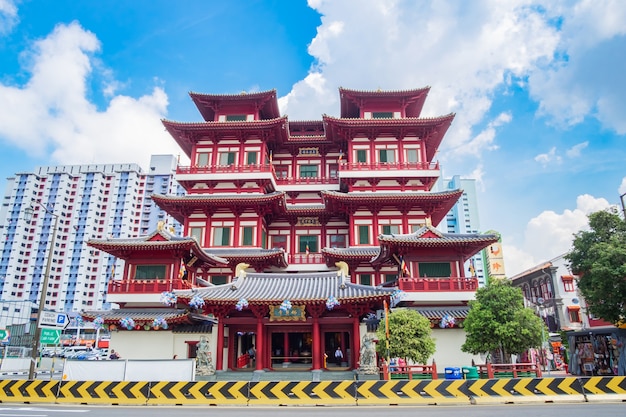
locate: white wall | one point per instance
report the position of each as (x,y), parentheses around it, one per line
(448,349)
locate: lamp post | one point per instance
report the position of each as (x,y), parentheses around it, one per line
(29,211)
(621,199)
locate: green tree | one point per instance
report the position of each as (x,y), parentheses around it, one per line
(498,321)
(599,258)
(409,337)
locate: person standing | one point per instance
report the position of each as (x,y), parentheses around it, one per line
(338,356)
(114,355)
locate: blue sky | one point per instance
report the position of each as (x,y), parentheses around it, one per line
(537,87)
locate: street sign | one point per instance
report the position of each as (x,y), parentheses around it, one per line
(5,335)
(50,336)
(53,320)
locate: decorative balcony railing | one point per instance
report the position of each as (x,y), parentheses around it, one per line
(148,286)
(307,181)
(220,169)
(303,258)
(388,166)
(438,284)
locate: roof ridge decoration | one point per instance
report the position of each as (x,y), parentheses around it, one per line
(343,272)
(240,273)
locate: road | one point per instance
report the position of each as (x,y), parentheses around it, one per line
(536,410)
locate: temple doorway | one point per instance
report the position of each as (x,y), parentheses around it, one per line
(291,350)
(334,341)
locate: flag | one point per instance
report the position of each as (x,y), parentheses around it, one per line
(113,272)
(403,267)
(181,271)
(307,249)
(271,156)
(472,269)
(340,155)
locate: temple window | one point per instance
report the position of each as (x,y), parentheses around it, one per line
(202,159)
(247,233)
(382,115)
(196,233)
(308,171)
(150,271)
(281,171)
(386,156)
(337,241)
(219,279)
(236,117)
(364,235)
(221,236)
(435,270)
(361,156)
(412,155)
(388,229)
(365,279)
(252,158)
(227,158)
(279,242)
(390,277)
(308,244)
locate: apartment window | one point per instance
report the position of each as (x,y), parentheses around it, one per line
(308,244)
(252,158)
(365,279)
(247,233)
(337,241)
(150,271)
(411,155)
(574,314)
(308,171)
(364,235)
(568,282)
(221,236)
(203,159)
(219,279)
(227,158)
(361,156)
(389,229)
(386,156)
(236,117)
(382,115)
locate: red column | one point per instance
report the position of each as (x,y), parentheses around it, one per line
(260,344)
(317,350)
(219,355)
(356,331)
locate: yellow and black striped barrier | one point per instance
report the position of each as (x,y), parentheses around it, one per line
(369,392)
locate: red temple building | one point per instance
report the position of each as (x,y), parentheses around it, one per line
(296,232)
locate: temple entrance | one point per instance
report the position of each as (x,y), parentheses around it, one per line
(338,353)
(245,350)
(291,350)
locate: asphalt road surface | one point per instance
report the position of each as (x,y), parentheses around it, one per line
(536,410)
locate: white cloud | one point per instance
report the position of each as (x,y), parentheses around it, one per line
(51,114)
(550,234)
(8,16)
(548,158)
(576,150)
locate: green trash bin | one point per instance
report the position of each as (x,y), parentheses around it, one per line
(470,372)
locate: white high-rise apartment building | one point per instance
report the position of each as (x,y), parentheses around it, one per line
(463,218)
(90,201)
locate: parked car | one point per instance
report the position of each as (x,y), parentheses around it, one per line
(71,351)
(52,352)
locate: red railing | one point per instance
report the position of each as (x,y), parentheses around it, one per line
(409,371)
(306,181)
(147,286)
(303,258)
(438,284)
(509,370)
(388,166)
(219,169)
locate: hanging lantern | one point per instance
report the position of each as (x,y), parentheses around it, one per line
(98,322)
(196,302)
(168,298)
(127,323)
(285,306)
(332,302)
(241,304)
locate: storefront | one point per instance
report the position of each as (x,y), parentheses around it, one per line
(595,351)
